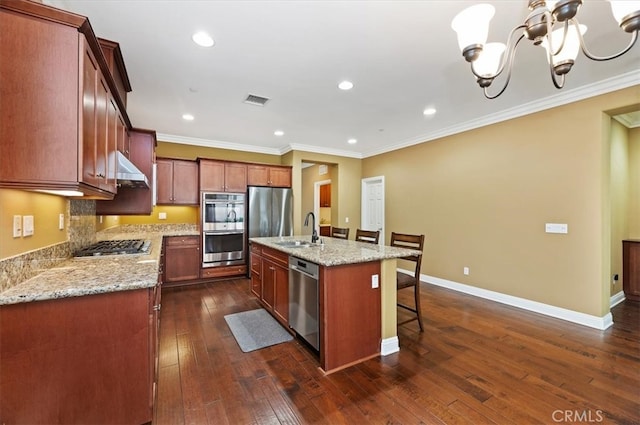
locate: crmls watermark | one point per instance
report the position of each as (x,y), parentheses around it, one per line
(589,416)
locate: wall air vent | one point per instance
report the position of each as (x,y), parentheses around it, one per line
(252,99)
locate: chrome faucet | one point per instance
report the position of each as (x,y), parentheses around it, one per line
(232,212)
(314,235)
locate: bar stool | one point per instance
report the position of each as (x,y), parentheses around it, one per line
(368,236)
(404,280)
(340,232)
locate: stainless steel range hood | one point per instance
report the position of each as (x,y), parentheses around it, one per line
(128,174)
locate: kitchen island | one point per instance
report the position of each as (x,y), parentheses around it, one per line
(357,317)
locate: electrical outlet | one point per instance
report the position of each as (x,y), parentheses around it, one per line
(346,219)
(375,282)
(27,225)
(61,222)
(465,271)
(17,226)
(162,216)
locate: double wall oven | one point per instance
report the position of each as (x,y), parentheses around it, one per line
(223,237)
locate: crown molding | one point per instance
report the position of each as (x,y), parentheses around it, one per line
(619,82)
(324,151)
(208,143)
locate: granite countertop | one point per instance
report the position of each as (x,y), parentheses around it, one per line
(96,275)
(335,252)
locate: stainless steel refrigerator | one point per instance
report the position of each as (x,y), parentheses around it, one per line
(269,212)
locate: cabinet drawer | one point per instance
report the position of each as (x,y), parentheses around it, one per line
(213,272)
(256,249)
(276,256)
(182,240)
(256,263)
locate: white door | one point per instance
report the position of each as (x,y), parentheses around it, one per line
(373,205)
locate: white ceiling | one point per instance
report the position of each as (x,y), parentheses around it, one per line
(402,57)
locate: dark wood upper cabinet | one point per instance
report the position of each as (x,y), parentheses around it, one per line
(268,175)
(222,176)
(58,99)
(134,201)
(177,182)
(115,63)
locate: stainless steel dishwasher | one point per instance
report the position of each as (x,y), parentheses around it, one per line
(303,300)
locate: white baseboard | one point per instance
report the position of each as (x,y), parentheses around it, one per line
(616,299)
(389,346)
(596,322)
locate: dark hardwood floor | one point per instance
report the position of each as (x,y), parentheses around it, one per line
(478,362)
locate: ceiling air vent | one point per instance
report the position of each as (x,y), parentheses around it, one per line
(252,99)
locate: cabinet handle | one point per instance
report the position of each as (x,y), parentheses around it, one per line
(101,175)
(157,307)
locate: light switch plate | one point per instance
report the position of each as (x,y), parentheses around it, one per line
(375,282)
(556,228)
(27,225)
(61,222)
(17,226)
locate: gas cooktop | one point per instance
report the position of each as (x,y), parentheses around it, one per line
(115,247)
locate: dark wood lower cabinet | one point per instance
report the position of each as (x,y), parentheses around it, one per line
(631,269)
(181,259)
(79,360)
(270,280)
(350,317)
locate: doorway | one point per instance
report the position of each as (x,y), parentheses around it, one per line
(372,216)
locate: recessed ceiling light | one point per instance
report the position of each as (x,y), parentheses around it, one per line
(352,141)
(429,111)
(279,133)
(188,117)
(345,85)
(202,39)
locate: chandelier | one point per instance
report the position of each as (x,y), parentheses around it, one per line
(489,60)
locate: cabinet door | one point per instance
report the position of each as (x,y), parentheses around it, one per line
(268,282)
(112,144)
(281,301)
(256,275)
(185,182)
(257,175)
(235,177)
(280,177)
(90,107)
(211,176)
(182,258)
(154,340)
(164,177)
(102,134)
(122,135)
(325,195)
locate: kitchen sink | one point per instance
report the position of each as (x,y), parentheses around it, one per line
(296,244)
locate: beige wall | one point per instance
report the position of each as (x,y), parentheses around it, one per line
(620,175)
(175,214)
(45,210)
(482,199)
(311,175)
(633,219)
(345,187)
(176,150)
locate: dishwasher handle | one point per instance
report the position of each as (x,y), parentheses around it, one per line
(299,270)
(304,267)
